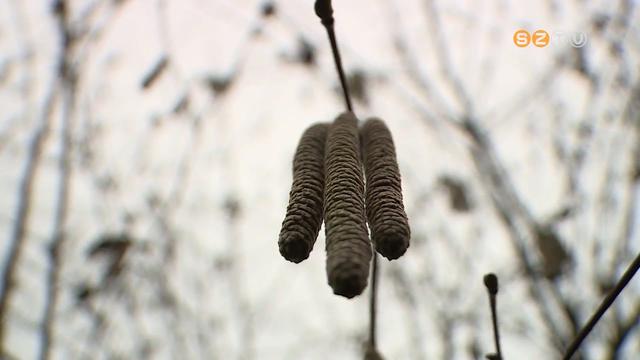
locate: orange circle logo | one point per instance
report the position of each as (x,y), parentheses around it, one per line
(540,38)
(521,38)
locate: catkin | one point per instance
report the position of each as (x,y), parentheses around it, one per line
(385,212)
(304,214)
(347,241)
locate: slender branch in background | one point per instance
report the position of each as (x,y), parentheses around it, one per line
(67,85)
(491,282)
(443,53)
(407,297)
(325,13)
(59,236)
(604,306)
(622,331)
(23,212)
(512,211)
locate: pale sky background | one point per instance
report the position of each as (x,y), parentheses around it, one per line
(198,284)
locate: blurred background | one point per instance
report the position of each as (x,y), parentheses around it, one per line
(145,165)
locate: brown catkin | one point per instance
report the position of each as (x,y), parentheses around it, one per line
(385,212)
(347,241)
(304,214)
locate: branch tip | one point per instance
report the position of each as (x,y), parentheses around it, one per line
(491,282)
(324,10)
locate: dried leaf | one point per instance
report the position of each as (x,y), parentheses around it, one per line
(554,255)
(459,198)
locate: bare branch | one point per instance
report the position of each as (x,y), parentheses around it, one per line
(604,306)
(23,211)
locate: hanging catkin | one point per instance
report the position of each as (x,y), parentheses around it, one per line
(304,214)
(347,241)
(385,212)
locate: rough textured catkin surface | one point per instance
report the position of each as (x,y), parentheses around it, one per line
(348,246)
(304,214)
(385,212)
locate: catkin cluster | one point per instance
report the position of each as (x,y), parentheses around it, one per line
(328,183)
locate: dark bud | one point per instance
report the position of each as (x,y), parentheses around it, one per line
(59,8)
(232,207)
(491,282)
(220,84)
(324,11)
(493,357)
(306,52)
(600,22)
(83,293)
(268,9)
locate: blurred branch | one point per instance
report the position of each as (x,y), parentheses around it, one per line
(407,296)
(412,68)
(27,83)
(521,227)
(622,331)
(67,89)
(23,211)
(604,306)
(632,117)
(436,29)
(242,304)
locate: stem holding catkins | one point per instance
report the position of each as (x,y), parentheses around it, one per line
(387,218)
(347,241)
(304,214)
(325,13)
(371,352)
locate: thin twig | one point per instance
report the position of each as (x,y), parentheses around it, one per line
(491,282)
(604,306)
(512,211)
(59,236)
(67,85)
(23,211)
